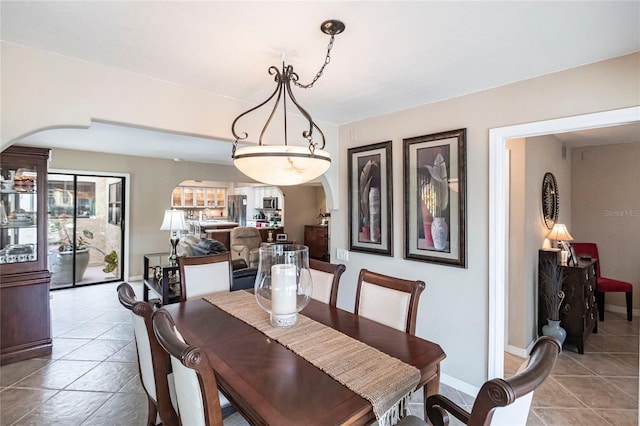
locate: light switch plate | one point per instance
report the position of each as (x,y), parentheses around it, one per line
(342,254)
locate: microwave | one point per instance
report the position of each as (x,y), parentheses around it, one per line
(270,203)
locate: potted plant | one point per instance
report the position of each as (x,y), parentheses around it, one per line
(552,279)
(63,270)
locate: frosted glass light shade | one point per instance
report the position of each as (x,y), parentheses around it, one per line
(173,221)
(281,165)
(560,233)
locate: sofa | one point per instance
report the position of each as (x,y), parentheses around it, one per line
(192,245)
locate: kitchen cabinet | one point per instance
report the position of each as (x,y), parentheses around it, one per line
(261,192)
(198,197)
(578,311)
(24,278)
(316,237)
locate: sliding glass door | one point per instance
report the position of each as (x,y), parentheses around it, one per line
(85,229)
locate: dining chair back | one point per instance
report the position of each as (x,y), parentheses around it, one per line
(199,401)
(203,275)
(604,284)
(153,361)
(326,278)
(388,300)
(495,394)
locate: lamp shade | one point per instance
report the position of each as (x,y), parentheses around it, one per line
(560,233)
(281,165)
(173,221)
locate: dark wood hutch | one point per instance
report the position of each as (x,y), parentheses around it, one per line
(25,323)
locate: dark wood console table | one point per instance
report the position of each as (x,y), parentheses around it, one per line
(580,318)
(158,276)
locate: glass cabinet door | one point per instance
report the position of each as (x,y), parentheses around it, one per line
(18,215)
(187,200)
(200,194)
(176,197)
(220,197)
(211,197)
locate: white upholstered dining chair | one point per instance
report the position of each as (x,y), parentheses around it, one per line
(500,402)
(153,361)
(326,278)
(204,275)
(199,401)
(388,300)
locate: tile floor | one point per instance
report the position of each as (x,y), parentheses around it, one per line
(91,378)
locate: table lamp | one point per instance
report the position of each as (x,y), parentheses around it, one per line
(561,234)
(173,221)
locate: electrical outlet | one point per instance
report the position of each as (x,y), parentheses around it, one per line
(342,254)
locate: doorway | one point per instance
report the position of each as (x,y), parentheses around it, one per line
(85,229)
(498,222)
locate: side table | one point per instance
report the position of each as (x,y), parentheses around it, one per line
(158,276)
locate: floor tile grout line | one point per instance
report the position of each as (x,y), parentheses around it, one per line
(622,390)
(34,408)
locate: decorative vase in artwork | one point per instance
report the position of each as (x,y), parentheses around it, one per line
(553,329)
(439,233)
(374,214)
(427,219)
(365,234)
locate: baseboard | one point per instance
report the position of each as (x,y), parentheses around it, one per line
(621,310)
(522,353)
(459,385)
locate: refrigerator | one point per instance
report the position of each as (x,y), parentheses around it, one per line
(237,207)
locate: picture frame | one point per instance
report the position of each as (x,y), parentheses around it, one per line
(370,197)
(573,259)
(435,198)
(281,237)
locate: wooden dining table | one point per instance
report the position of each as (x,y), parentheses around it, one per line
(271,385)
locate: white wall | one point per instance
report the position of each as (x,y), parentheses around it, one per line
(606,210)
(42,90)
(515,290)
(301,204)
(151,183)
(543,154)
(454,307)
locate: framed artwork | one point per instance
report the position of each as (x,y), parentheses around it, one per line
(435,198)
(370,197)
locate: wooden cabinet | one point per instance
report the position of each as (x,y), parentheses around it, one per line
(198,197)
(25,328)
(316,237)
(578,311)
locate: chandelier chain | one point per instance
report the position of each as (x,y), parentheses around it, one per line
(327,59)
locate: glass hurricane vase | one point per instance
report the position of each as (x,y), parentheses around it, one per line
(283,284)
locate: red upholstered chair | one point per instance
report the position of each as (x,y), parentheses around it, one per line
(604,284)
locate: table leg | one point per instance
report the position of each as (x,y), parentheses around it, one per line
(145,292)
(432,387)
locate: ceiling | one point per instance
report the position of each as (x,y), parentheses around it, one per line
(392,56)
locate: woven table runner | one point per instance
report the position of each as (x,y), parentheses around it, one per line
(386,382)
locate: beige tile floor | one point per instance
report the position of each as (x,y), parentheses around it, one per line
(91,378)
(597,388)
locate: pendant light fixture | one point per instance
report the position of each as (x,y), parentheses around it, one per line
(286,164)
